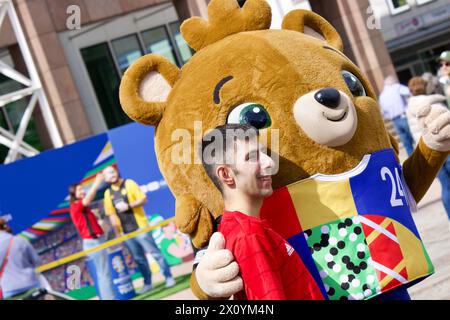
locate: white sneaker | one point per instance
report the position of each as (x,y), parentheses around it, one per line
(146,288)
(170,282)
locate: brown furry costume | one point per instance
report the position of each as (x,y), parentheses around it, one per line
(273,68)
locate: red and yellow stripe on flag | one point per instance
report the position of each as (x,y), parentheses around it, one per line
(385,251)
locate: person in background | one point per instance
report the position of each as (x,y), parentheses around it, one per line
(393,102)
(124,204)
(18,261)
(91,232)
(418,86)
(433,86)
(444,72)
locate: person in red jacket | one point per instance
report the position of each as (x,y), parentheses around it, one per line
(270,267)
(92,233)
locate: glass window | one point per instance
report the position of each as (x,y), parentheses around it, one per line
(182,46)
(126,50)
(3,122)
(404,59)
(105,80)
(430,57)
(398,6)
(3,153)
(157,41)
(404,75)
(4,125)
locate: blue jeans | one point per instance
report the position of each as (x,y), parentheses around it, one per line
(402,128)
(144,243)
(102,268)
(444,178)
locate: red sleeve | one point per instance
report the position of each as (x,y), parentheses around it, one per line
(257,261)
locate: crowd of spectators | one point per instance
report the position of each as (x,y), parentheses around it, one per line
(64,242)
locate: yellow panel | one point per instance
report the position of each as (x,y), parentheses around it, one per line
(413,252)
(319,202)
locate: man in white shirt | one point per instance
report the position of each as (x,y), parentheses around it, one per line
(393,102)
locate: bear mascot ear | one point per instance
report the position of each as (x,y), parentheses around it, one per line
(145,87)
(313,25)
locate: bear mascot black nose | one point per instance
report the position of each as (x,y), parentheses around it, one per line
(329,97)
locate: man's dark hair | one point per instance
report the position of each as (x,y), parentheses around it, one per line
(229,134)
(4,226)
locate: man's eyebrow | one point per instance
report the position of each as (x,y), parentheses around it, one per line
(334,50)
(219,86)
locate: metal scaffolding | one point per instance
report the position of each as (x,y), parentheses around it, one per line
(33,89)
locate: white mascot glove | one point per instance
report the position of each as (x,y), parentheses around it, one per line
(435,121)
(217,274)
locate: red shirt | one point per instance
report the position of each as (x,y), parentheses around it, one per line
(82,217)
(270,267)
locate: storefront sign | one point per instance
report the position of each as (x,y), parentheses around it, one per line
(436,15)
(422,21)
(410,25)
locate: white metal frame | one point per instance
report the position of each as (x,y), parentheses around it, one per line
(33,88)
(394,11)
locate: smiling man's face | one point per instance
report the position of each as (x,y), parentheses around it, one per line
(251,169)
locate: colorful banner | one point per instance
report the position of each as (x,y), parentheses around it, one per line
(354,231)
(34,197)
(34,191)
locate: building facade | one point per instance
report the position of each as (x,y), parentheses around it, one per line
(81,67)
(415,33)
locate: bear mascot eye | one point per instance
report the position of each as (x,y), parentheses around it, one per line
(354,84)
(253,114)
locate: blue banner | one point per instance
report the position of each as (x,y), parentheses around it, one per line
(34,191)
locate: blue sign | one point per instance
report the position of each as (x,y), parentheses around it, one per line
(34,191)
(122,283)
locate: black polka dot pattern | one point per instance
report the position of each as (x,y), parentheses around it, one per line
(341,255)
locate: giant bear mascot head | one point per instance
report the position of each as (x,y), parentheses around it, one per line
(303,94)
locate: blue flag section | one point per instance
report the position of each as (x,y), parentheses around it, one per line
(34,200)
(33,187)
(34,191)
